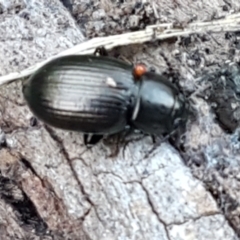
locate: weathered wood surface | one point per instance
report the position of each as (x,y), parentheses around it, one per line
(51,187)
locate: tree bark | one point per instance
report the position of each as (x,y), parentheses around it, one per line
(52,187)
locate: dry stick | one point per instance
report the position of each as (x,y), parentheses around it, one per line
(151,33)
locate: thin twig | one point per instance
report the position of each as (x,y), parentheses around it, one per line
(155,32)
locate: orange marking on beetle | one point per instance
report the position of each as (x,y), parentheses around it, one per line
(139,70)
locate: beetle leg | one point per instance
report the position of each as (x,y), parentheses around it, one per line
(171,69)
(100,51)
(153,139)
(90,140)
(157,142)
(152,69)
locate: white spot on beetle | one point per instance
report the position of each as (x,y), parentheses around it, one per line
(110,82)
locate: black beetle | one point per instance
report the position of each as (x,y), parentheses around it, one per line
(100,95)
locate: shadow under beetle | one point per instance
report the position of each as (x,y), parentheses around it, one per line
(100,95)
